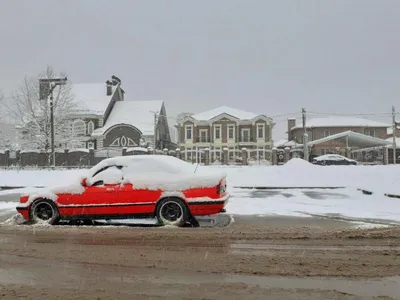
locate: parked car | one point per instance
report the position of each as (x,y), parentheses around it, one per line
(132,187)
(333,159)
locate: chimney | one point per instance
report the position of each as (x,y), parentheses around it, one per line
(109,87)
(115,80)
(291,122)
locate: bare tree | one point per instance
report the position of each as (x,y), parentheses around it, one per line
(32,115)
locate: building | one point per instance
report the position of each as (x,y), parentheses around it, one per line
(224,127)
(102,118)
(327,135)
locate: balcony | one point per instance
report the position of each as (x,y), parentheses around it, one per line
(203,140)
(246,139)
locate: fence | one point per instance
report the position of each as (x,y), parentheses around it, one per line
(76,158)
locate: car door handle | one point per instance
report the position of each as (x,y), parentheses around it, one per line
(110,190)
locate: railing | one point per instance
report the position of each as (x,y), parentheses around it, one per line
(203,140)
(246,139)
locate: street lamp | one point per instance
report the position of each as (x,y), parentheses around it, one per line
(46,88)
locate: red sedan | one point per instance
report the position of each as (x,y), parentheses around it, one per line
(132,187)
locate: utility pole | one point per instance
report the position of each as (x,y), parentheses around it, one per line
(155,131)
(394,133)
(305,136)
(46,88)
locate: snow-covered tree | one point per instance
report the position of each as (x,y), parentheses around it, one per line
(32,114)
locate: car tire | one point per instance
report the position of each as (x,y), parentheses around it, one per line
(172,211)
(45,211)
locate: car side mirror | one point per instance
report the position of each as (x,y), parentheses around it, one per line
(83,182)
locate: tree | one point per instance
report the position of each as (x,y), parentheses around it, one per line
(32,115)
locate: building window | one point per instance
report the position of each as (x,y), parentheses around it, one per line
(369,132)
(217,132)
(90,127)
(327,132)
(231,132)
(203,136)
(260,131)
(189,132)
(79,127)
(245,135)
(90,145)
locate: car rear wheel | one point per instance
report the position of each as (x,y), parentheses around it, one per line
(44,211)
(172,211)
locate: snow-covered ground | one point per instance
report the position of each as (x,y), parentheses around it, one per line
(296,173)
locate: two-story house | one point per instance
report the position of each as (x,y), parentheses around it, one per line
(321,128)
(224,127)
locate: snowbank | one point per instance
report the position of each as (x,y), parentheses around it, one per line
(347,202)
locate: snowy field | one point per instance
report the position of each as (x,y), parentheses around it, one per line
(347,202)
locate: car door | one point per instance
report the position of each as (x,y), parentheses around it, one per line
(135,201)
(100,197)
(99,200)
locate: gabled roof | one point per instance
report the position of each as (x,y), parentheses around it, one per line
(335,121)
(135,113)
(91,98)
(211,114)
(354,139)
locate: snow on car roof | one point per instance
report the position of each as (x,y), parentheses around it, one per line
(153,172)
(146,163)
(332,157)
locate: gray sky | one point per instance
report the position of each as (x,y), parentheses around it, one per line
(271,57)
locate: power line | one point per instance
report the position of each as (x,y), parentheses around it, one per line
(349,114)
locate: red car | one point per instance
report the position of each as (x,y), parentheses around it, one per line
(136,186)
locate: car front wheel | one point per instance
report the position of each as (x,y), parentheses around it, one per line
(172,211)
(44,211)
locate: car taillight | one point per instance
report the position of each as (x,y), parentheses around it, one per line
(221,187)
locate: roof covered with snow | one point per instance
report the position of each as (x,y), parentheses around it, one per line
(136,113)
(91,98)
(285,143)
(336,121)
(354,139)
(237,113)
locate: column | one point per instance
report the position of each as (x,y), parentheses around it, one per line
(225,156)
(207,156)
(244,156)
(385,155)
(66,151)
(287,154)
(274,156)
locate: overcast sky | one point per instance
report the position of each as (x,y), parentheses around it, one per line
(270,57)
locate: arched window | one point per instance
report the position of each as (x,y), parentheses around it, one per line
(90,127)
(79,127)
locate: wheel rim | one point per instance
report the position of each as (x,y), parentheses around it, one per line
(43,211)
(171,211)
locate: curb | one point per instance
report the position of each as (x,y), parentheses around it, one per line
(289,187)
(18,187)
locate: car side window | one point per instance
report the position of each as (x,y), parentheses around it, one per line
(108,175)
(98,183)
